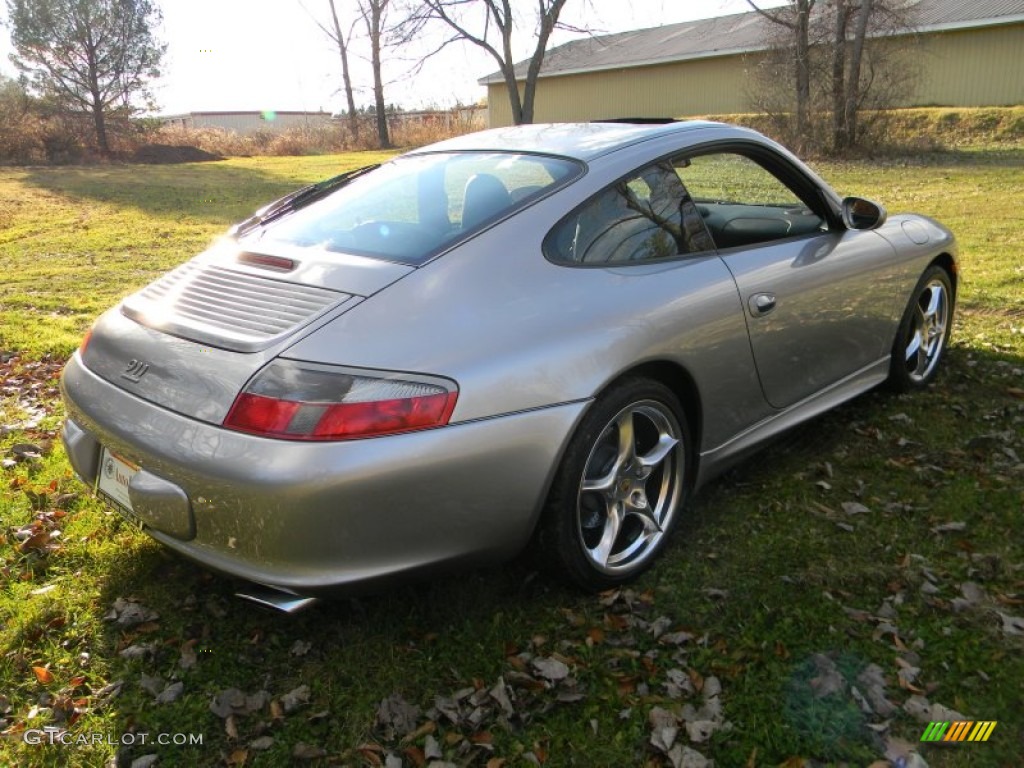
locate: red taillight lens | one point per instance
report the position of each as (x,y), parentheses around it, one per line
(85,341)
(300,401)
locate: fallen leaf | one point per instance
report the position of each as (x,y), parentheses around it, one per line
(696,679)
(675,638)
(396,717)
(427,728)
(234,702)
(152,685)
(43,675)
(303,751)
(300,648)
(950,527)
(188,655)
(171,693)
(295,698)
(854,508)
(415,755)
(551,669)
(27,451)
(664,737)
(432,749)
(1012,625)
(501,695)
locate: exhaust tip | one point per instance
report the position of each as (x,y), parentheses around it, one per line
(277,599)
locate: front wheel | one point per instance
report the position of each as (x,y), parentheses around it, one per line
(620,487)
(923,333)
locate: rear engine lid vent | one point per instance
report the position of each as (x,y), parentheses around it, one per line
(226,308)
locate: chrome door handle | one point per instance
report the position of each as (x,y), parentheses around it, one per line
(761,304)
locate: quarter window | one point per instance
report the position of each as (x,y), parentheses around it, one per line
(646,217)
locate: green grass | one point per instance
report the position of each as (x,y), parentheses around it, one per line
(798,575)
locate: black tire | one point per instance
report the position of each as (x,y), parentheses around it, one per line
(923,333)
(607,534)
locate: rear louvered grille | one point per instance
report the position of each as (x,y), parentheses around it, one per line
(229,309)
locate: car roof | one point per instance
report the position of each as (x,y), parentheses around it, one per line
(580,141)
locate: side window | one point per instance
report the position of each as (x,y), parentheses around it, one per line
(742,203)
(643,218)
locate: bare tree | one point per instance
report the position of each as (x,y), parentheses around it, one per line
(848,134)
(374,13)
(488,19)
(342,42)
(847,59)
(796,17)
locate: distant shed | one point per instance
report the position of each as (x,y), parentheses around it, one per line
(971,55)
(248,122)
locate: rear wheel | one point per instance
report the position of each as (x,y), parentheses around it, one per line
(620,487)
(923,333)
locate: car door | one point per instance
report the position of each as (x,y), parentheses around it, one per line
(818,298)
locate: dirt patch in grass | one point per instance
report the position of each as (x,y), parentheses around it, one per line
(161,154)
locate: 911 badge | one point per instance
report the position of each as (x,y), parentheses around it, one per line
(135,370)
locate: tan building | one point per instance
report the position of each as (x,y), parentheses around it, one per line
(248,122)
(969,54)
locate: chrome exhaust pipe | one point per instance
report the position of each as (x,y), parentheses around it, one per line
(276,598)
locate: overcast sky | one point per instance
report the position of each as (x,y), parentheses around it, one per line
(270,55)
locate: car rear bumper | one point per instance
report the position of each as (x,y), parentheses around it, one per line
(314,517)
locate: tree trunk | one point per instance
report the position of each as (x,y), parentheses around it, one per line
(100,123)
(803,71)
(504,23)
(853,81)
(839,124)
(547,21)
(374,17)
(339,38)
(96,104)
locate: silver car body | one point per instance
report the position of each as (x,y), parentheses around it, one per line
(529,343)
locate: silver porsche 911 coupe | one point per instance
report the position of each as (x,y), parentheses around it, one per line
(549,334)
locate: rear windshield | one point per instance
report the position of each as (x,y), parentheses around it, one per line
(414,207)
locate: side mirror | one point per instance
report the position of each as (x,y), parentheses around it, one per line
(859,213)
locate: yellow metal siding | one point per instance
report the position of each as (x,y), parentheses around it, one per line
(971,68)
(698,87)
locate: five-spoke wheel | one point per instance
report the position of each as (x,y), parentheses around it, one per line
(622,481)
(923,332)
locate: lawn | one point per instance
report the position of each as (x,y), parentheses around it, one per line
(819,605)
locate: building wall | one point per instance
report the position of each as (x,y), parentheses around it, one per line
(968,68)
(972,68)
(249,122)
(697,87)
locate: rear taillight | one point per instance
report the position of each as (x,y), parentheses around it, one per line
(85,341)
(304,401)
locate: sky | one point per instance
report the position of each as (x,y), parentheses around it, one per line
(226,55)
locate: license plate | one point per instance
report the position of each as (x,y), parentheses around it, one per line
(112,483)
